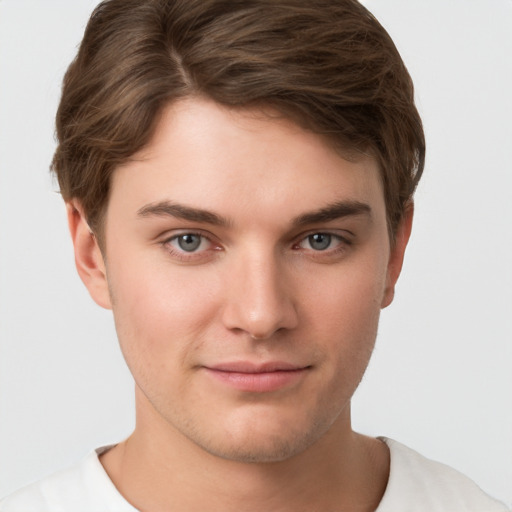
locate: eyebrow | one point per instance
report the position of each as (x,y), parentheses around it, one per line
(179,211)
(332,212)
(326,214)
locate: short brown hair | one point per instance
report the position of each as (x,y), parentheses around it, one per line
(327,64)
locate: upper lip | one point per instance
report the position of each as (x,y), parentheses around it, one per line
(251,367)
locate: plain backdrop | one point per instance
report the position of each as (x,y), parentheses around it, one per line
(441,377)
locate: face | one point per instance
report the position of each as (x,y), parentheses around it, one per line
(246,265)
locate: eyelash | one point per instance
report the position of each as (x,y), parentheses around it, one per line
(185,256)
(343,244)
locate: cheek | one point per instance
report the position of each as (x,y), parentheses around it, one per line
(350,297)
(161,312)
(345,314)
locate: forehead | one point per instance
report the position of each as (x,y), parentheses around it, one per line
(242,161)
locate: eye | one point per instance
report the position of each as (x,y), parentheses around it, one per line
(320,241)
(189,242)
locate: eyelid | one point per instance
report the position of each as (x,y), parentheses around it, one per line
(345,239)
(189,257)
(341,234)
(176,240)
(342,246)
(172,234)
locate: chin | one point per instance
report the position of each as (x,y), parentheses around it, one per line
(277,449)
(262,442)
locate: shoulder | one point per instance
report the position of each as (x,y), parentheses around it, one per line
(82,488)
(420,484)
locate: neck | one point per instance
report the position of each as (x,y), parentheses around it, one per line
(157,467)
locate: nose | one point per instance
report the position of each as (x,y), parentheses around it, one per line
(259,300)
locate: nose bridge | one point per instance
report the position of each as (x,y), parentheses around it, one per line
(260,301)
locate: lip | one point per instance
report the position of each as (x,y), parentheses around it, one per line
(257,377)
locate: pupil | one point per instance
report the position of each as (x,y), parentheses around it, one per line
(320,241)
(189,242)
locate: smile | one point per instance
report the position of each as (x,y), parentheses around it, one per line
(262,378)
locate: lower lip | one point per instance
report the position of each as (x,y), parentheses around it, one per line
(259,382)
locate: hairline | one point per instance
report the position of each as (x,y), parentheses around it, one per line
(269,110)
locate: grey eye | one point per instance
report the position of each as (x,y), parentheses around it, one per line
(319,241)
(189,242)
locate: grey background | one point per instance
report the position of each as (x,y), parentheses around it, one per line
(440,379)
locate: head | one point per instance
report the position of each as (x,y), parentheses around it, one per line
(327,65)
(246,169)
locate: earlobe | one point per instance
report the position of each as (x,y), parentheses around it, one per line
(88,257)
(396,257)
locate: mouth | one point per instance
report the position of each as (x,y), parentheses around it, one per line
(257,378)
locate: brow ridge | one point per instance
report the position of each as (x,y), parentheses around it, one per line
(180,211)
(327,213)
(332,212)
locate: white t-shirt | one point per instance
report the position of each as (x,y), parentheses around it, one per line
(416,484)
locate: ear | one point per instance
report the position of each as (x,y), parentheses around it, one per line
(88,257)
(396,256)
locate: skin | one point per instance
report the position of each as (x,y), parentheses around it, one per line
(271,283)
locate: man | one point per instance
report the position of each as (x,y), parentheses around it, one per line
(239,181)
